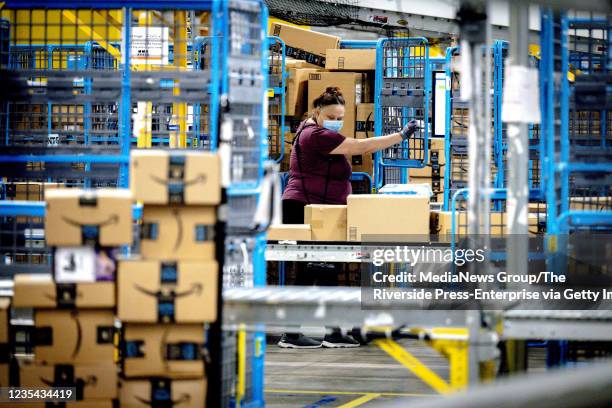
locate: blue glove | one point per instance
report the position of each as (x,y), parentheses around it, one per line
(409,129)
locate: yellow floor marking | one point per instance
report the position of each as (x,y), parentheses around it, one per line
(359,401)
(328,392)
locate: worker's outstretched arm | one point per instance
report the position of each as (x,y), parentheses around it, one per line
(354,147)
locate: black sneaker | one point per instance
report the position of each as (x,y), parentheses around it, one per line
(337,340)
(298,341)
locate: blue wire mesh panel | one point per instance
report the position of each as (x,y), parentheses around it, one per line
(22,241)
(405,86)
(63,96)
(586,146)
(457,128)
(171,85)
(361,183)
(276,98)
(392,175)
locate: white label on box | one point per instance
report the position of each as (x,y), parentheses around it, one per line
(75,264)
(149,45)
(521,101)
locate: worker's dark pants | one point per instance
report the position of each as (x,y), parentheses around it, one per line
(311,273)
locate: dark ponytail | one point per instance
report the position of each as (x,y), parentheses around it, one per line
(331,96)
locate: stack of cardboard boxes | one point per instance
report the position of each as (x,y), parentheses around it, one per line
(74,312)
(361,220)
(316,62)
(167,294)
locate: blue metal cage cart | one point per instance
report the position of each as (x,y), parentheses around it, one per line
(402,93)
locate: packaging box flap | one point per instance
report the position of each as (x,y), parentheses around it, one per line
(74,336)
(146,392)
(304,44)
(289,232)
(327,222)
(87,217)
(403,215)
(351,86)
(40,291)
(178,233)
(174,351)
(152,291)
(350,59)
(163,177)
(91,381)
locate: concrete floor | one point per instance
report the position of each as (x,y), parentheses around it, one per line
(365,377)
(334,377)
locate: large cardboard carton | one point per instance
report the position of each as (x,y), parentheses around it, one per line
(351,86)
(42,292)
(147,392)
(289,232)
(327,222)
(173,351)
(295,63)
(306,45)
(91,381)
(296,97)
(437,157)
(164,177)
(74,336)
(178,233)
(77,217)
(364,128)
(152,291)
(382,214)
(350,60)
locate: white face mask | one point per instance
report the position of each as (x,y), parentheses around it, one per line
(334,125)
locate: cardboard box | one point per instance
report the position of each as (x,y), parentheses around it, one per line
(41,291)
(306,45)
(86,217)
(173,351)
(153,291)
(364,128)
(142,393)
(436,154)
(350,60)
(178,233)
(351,86)
(289,232)
(185,177)
(382,214)
(296,97)
(327,222)
(74,336)
(92,381)
(498,221)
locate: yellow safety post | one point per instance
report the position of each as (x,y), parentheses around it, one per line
(180,62)
(414,365)
(241,383)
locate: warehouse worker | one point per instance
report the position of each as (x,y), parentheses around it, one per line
(320,174)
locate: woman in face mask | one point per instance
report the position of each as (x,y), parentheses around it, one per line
(320,174)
